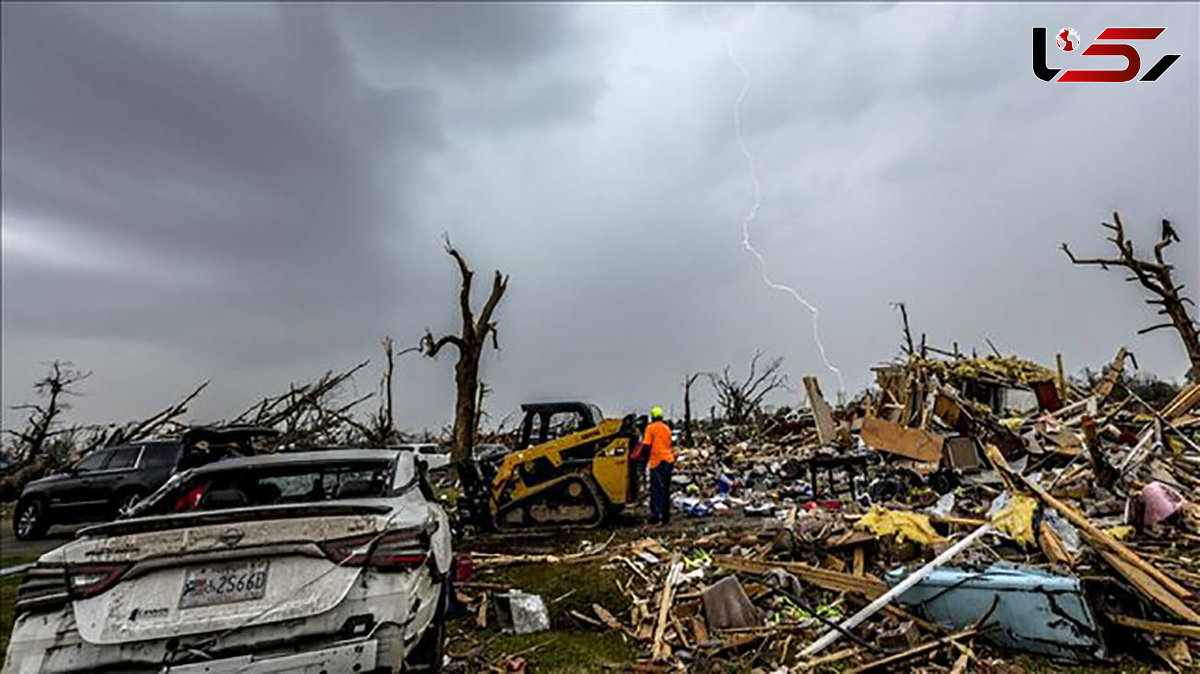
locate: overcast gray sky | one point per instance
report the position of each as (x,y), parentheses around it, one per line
(256,193)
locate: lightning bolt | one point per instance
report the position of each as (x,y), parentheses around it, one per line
(751,214)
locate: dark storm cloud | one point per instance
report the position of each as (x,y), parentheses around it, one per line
(256,193)
(241,145)
(270,169)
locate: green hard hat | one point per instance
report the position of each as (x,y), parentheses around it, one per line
(655,412)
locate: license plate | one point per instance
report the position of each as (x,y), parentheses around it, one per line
(224,583)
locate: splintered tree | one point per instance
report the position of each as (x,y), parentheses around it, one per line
(470,343)
(741,399)
(1155,276)
(39,427)
(382,431)
(311,414)
(141,429)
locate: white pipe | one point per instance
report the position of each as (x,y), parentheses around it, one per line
(886,598)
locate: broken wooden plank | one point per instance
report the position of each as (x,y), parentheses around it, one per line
(585,619)
(1181,404)
(481,616)
(739,641)
(1053,546)
(1149,588)
(826,432)
(1186,631)
(806,665)
(659,649)
(913,652)
(826,578)
(893,438)
(678,625)
(1115,370)
(835,563)
(607,618)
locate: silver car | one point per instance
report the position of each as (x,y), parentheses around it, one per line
(325,561)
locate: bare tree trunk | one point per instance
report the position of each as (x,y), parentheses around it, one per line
(389,425)
(385,432)
(1156,277)
(470,343)
(687,408)
(482,393)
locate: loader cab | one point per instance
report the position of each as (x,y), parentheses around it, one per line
(549,421)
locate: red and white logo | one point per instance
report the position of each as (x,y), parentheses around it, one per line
(1068,39)
(1112,41)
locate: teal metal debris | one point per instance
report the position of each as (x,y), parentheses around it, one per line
(1020,608)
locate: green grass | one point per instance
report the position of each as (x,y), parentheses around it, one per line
(566,651)
(575,587)
(569,645)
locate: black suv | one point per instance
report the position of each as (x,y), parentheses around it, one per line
(99,486)
(105,482)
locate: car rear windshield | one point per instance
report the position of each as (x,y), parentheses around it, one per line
(272,485)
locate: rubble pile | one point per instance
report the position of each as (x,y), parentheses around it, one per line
(967,511)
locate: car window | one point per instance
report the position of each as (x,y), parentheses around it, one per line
(160,455)
(93,461)
(430,449)
(125,457)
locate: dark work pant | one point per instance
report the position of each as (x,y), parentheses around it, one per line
(660,492)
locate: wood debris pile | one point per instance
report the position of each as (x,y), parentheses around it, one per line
(1057,485)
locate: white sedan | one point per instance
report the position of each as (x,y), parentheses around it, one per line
(329,561)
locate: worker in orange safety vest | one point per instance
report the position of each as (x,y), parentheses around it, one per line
(661,465)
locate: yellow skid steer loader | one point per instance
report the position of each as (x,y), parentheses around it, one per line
(571,468)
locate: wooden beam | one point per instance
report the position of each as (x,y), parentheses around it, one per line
(659,650)
(1186,631)
(826,432)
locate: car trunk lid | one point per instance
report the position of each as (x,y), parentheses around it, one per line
(225,570)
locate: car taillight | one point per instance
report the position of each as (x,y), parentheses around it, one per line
(396,550)
(89,580)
